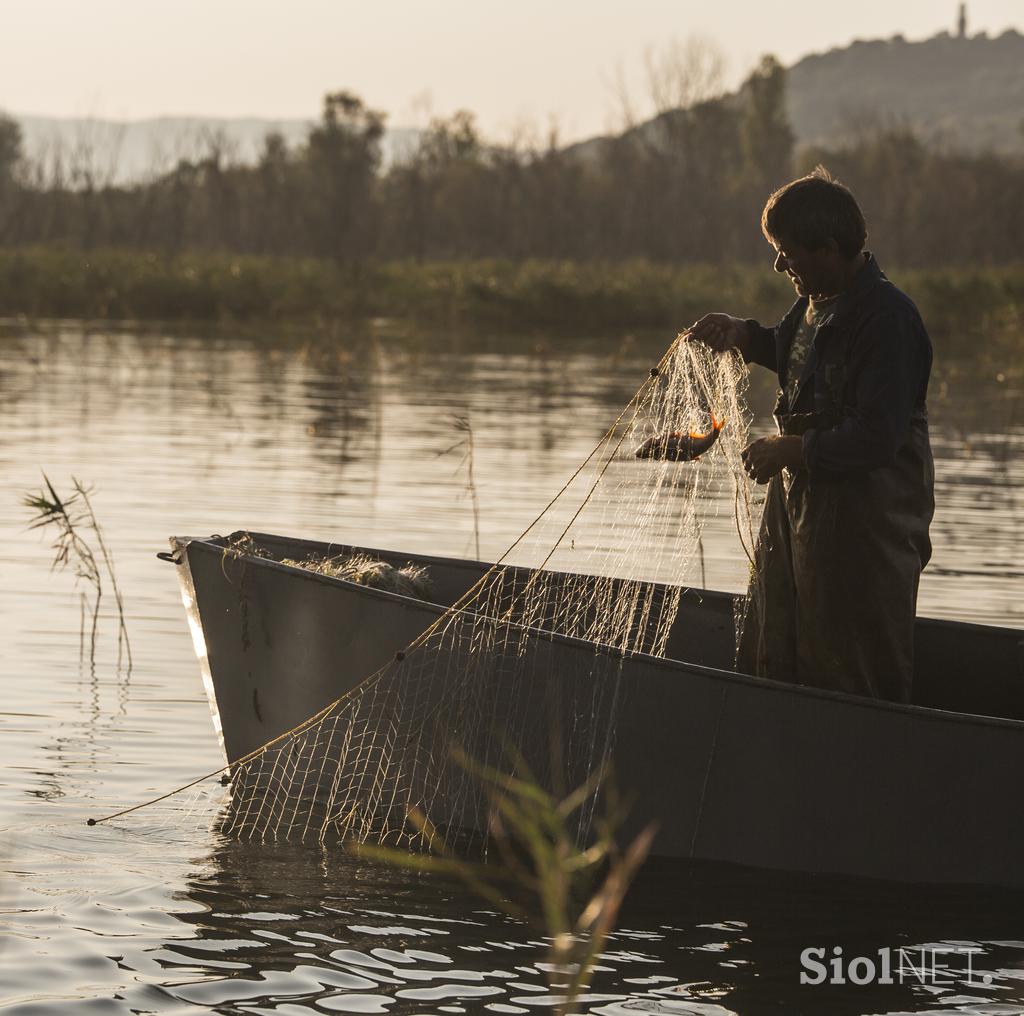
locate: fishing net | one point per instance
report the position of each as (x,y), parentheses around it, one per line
(526,670)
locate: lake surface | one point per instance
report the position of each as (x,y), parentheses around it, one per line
(193,435)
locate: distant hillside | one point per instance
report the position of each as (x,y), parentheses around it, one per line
(137,149)
(965,92)
(962,93)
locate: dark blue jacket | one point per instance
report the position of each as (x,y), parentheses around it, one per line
(865,379)
(833,597)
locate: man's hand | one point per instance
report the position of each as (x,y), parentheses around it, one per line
(720,332)
(768,456)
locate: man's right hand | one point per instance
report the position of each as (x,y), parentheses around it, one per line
(720,332)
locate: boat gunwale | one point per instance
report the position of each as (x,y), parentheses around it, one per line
(932,713)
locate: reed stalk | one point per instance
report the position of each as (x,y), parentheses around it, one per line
(468,448)
(540,873)
(72,518)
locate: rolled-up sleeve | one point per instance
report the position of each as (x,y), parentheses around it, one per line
(888,379)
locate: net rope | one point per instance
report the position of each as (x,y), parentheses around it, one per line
(531,657)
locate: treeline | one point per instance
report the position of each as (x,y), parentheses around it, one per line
(686,187)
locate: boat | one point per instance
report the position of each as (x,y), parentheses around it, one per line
(733,768)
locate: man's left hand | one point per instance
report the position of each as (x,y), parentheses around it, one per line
(768,456)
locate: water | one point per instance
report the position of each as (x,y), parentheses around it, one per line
(192,436)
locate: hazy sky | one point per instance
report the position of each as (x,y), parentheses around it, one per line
(516,62)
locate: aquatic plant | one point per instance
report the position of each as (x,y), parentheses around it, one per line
(967,308)
(73,518)
(466,445)
(536,870)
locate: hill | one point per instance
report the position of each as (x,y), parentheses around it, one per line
(961,92)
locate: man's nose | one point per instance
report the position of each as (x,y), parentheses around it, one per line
(780,262)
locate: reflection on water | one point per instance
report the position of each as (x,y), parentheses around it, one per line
(726,941)
(199,435)
(259,929)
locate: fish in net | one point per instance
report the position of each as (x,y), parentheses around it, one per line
(526,670)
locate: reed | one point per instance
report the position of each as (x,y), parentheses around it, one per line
(73,519)
(467,446)
(964,308)
(539,873)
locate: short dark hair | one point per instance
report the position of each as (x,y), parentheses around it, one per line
(813,210)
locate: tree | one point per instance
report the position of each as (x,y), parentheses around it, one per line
(10,148)
(272,229)
(342,158)
(10,162)
(766,134)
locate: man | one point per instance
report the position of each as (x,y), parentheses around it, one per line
(844,536)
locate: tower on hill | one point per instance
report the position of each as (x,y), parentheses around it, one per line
(961,24)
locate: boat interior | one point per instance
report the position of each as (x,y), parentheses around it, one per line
(959,667)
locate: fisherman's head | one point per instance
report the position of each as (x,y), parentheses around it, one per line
(817,230)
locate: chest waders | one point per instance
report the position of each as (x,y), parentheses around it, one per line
(833,592)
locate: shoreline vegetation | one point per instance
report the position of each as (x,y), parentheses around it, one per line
(964,308)
(644,230)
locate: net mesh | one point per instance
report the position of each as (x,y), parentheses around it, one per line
(529,663)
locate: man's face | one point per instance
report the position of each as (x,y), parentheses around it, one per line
(811,271)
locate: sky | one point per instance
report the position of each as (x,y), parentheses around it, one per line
(517,65)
